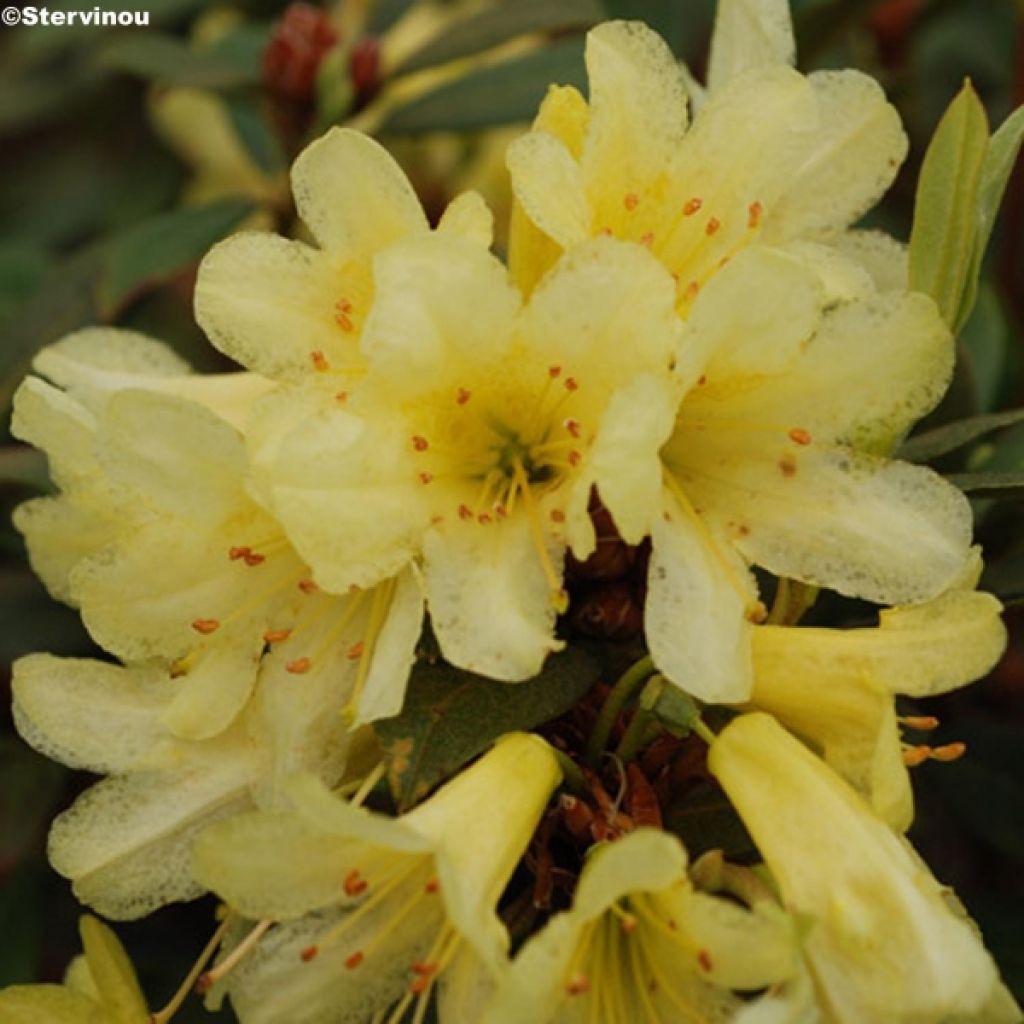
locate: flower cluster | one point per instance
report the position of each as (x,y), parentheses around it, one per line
(689,351)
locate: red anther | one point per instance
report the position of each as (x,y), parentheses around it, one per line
(554,371)
(704,959)
(754,212)
(465,512)
(254,558)
(276,636)
(425,478)
(692,206)
(298,45)
(432,886)
(319,360)
(353,961)
(308,586)
(298,667)
(309,953)
(577,985)
(420,984)
(702,380)
(206,626)
(571,384)
(355,884)
(630,201)
(712,226)
(463,395)
(356,650)
(800,436)
(239,552)
(420,443)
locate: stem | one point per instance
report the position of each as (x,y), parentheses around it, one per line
(638,735)
(164,1015)
(239,953)
(704,732)
(627,684)
(571,774)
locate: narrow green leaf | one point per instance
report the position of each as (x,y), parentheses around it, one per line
(386,13)
(497,94)
(161,246)
(941,242)
(450,716)
(497,24)
(933,443)
(990,485)
(258,138)
(987,336)
(1003,150)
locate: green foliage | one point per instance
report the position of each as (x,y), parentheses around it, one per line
(450,716)
(930,445)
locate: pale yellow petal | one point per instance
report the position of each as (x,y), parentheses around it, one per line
(90,714)
(881,255)
(468,216)
(125,843)
(699,595)
(60,426)
(490,601)
(269,303)
(638,111)
(548,185)
(465,989)
(858,149)
(353,196)
(749,34)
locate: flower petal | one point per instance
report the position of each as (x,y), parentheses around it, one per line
(858,149)
(90,714)
(353,196)
(468,216)
(749,34)
(699,596)
(490,601)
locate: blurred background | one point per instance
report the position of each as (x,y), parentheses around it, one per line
(126,152)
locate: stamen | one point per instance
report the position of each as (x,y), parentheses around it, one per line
(704,959)
(319,360)
(206,626)
(692,206)
(949,752)
(571,384)
(353,961)
(575,458)
(647,239)
(914,756)
(920,723)
(426,478)
(557,515)
(465,512)
(308,586)
(298,667)
(554,372)
(800,436)
(573,426)
(577,985)
(631,200)
(559,598)
(341,396)
(233,959)
(433,886)
(712,226)
(462,396)
(238,552)
(355,651)
(355,884)
(253,558)
(276,636)
(754,212)
(420,443)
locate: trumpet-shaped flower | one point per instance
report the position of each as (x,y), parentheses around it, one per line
(100,987)
(834,688)
(171,558)
(882,942)
(393,901)
(641,944)
(477,435)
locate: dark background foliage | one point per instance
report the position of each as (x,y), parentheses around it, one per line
(93,230)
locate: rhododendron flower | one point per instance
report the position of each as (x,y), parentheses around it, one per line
(418,892)
(641,944)
(882,943)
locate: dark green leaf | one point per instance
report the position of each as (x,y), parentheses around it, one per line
(386,13)
(673,709)
(497,24)
(32,785)
(498,94)
(157,248)
(256,135)
(933,443)
(232,61)
(942,239)
(990,485)
(450,716)
(987,338)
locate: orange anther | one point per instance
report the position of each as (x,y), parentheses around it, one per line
(299,666)
(343,306)
(422,967)
(319,360)
(356,650)
(465,512)
(692,206)
(353,961)
(432,886)
(239,552)
(206,626)
(484,519)
(276,636)
(571,384)
(554,371)
(341,396)
(420,984)
(425,478)
(800,436)
(922,723)
(308,586)
(702,380)
(754,212)
(500,511)
(704,959)
(577,985)
(647,239)
(712,226)
(692,290)
(462,396)
(949,752)
(355,884)
(343,321)
(913,756)
(575,458)
(420,443)
(628,924)
(630,201)
(254,558)
(309,953)
(557,515)
(573,426)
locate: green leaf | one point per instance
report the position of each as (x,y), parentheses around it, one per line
(942,238)
(496,24)
(450,716)
(501,93)
(987,337)
(386,13)
(675,710)
(255,133)
(157,248)
(1000,158)
(990,485)
(933,443)
(230,62)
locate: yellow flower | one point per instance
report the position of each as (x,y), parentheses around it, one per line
(478,433)
(640,944)
(376,909)
(882,943)
(834,688)
(802,355)
(99,988)
(170,557)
